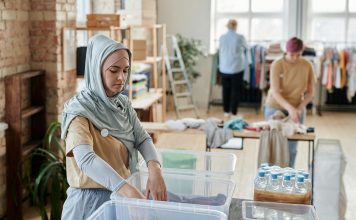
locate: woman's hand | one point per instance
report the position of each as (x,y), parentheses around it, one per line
(294,114)
(127,190)
(155,183)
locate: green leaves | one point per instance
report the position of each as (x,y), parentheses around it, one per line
(50,180)
(191,50)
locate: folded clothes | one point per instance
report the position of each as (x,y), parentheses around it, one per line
(217,200)
(199,200)
(236,124)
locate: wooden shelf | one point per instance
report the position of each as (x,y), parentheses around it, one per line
(2,151)
(27,112)
(31,145)
(31,74)
(35,128)
(147,100)
(93,28)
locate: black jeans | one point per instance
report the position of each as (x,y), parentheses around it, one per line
(231,91)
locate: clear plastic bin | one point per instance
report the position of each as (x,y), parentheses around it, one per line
(190,190)
(216,164)
(270,210)
(135,209)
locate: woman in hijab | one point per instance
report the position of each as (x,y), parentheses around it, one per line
(103,135)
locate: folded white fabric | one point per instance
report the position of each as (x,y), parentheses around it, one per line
(175,125)
(233,143)
(193,122)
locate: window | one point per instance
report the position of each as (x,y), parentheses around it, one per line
(332,21)
(258,20)
(83,8)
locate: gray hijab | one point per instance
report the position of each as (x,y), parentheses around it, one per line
(116,114)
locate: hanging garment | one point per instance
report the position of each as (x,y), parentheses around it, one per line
(325,72)
(263,80)
(342,69)
(329,84)
(273,148)
(258,66)
(352,76)
(248,61)
(253,70)
(337,83)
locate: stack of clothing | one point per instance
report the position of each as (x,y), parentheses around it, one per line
(139,85)
(217,133)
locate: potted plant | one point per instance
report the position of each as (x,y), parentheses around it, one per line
(48,183)
(191,50)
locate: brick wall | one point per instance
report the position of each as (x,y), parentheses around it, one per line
(30,38)
(14,42)
(47,20)
(14,57)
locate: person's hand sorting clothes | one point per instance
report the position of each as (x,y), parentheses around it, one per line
(156,188)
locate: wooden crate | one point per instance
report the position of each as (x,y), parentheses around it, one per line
(103,20)
(293,198)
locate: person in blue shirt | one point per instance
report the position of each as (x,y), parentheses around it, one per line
(231,67)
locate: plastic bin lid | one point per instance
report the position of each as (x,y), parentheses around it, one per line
(271,210)
(135,209)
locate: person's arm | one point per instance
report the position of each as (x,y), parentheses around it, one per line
(156,186)
(310,90)
(101,172)
(155,183)
(276,93)
(244,42)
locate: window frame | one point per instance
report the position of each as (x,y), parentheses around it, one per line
(249,15)
(347,15)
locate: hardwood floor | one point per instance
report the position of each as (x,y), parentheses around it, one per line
(331,125)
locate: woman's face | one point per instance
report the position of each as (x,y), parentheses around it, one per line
(293,57)
(115,72)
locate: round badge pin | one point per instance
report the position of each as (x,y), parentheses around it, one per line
(104,132)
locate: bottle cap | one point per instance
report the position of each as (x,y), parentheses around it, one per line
(300,178)
(274,175)
(287,177)
(261,173)
(306,175)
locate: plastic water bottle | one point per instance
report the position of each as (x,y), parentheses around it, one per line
(287,184)
(274,185)
(307,180)
(261,181)
(280,177)
(300,171)
(263,165)
(292,177)
(300,186)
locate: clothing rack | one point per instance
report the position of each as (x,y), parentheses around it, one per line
(338,93)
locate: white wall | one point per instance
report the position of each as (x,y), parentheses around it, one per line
(190,18)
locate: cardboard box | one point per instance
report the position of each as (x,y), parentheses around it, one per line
(139,45)
(139,54)
(103,20)
(139,50)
